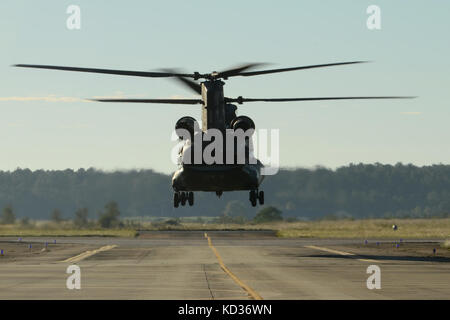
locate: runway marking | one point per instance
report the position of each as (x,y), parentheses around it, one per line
(87,254)
(250,291)
(342,253)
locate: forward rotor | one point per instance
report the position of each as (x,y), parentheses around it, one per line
(241,100)
(186,80)
(233,72)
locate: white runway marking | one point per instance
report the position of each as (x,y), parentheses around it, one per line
(87,254)
(342,253)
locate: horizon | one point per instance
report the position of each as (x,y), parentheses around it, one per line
(313,168)
(46,123)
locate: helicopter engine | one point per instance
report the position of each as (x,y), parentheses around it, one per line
(242,122)
(186,123)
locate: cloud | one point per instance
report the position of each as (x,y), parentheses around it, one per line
(411,113)
(15,125)
(179,96)
(49,98)
(75,126)
(116,95)
(55,98)
(120,95)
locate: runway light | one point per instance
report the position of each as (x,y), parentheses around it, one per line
(365,241)
(434,250)
(54,241)
(20,239)
(1,252)
(378,243)
(29,246)
(394,227)
(397,245)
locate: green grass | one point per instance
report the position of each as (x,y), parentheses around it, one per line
(193,226)
(370,228)
(362,229)
(446,244)
(62,231)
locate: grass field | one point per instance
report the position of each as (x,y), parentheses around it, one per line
(371,228)
(368,228)
(446,244)
(361,229)
(63,231)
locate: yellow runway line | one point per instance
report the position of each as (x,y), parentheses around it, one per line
(87,254)
(342,253)
(250,291)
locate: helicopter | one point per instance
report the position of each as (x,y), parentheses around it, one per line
(218,113)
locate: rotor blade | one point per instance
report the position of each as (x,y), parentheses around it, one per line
(255,73)
(237,70)
(171,101)
(107,71)
(241,99)
(194,86)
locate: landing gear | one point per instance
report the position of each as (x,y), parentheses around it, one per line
(182,197)
(219,193)
(252,197)
(255,196)
(261,197)
(191,198)
(176,200)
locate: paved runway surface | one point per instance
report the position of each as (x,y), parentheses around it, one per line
(183,265)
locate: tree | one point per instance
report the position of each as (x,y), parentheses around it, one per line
(110,217)
(235,208)
(360,190)
(81,218)
(8,216)
(56,216)
(268,214)
(25,221)
(234,212)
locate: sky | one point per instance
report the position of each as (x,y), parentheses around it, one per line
(46,124)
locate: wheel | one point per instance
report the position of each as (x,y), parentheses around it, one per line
(261,197)
(176,199)
(183,198)
(191,198)
(252,197)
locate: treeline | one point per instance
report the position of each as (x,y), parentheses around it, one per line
(109,218)
(354,191)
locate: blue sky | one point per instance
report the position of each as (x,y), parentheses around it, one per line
(410,57)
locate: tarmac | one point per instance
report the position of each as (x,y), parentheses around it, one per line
(204,265)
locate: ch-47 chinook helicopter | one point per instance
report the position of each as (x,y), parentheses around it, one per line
(219,113)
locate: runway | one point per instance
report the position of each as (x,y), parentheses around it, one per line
(231,265)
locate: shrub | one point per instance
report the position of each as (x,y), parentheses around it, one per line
(268,214)
(8,216)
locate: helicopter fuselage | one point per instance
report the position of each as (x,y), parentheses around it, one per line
(216,177)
